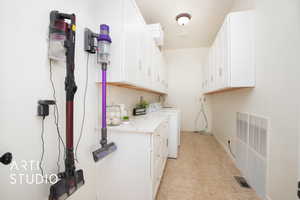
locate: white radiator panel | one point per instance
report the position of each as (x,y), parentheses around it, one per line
(257,173)
(242,127)
(241,157)
(264,136)
(251,150)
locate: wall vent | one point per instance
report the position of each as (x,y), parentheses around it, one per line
(243,127)
(242,141)
(251,150)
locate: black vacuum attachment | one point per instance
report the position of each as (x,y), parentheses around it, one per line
(106,148)
(70,180)
(6,158)
(66,186)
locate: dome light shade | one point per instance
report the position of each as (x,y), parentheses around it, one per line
(183,19)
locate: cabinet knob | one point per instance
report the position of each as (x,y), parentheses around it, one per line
(140,65)
(220,71)
(149,71)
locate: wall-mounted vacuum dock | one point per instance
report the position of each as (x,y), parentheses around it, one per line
(103,54)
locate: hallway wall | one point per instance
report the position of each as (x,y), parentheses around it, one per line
(276,95)
(185,79)
(24,79)
(239,5)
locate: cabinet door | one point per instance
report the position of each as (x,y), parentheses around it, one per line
(205,74)
(155,67)
(212,66)
(149,43)
(145,59)
(217,61)
(241,45)
(164,75)
(160,75)
(221,59)
(209,69)
(222,70)
(150,66)
(132,53)
(225,56)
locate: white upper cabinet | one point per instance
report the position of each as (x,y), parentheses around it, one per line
(230,61)
(135,58)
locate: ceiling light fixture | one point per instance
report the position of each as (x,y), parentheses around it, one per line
(183,19)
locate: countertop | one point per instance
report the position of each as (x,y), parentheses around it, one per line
(142,124)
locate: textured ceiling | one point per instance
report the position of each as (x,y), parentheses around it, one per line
(207,16)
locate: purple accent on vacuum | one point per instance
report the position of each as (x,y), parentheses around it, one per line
(104,33)
(103,98)
(104,27)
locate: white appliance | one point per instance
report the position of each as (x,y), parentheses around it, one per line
(174,131)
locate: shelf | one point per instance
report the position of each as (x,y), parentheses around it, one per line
(227,90)
(134,87)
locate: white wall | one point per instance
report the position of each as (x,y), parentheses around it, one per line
(239,5)
(24,79)
(185,78)
(276,95)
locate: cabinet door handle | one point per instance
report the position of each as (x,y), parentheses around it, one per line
(149,71)
(220,71)
(140,65)
(151,163)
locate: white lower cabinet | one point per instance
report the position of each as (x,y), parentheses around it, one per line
(160,154)
(134,171)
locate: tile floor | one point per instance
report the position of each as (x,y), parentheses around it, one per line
(203,171)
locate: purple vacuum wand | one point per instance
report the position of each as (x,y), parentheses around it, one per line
(104,98)
(104,42)
(103,51)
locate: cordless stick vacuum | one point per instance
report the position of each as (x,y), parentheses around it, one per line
(102,50)
(62,29)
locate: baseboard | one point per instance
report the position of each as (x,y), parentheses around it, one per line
(203,133)
(268,198)
(183,131)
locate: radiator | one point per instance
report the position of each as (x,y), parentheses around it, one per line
(251,150)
